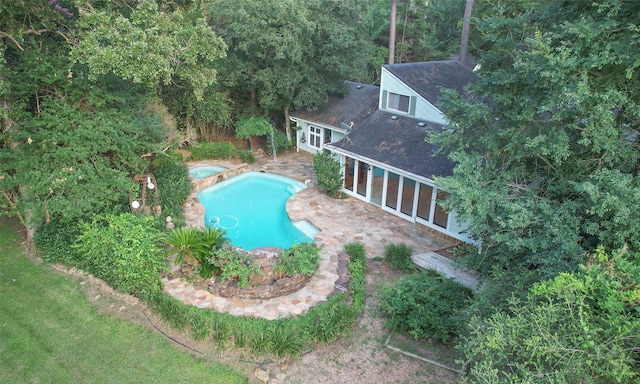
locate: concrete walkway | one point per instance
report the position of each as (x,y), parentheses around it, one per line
(447,268)
(340,221)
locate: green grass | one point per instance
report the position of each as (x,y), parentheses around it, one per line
(50,333)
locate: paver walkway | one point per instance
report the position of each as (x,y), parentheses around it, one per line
(340,221)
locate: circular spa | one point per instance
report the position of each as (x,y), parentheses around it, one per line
(251,208)
(205,171)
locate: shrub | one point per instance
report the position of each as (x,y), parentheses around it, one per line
(357,267)
(246,156)
(221,150)
(300,259)
(197,247)
(55,239)
(328,172)
(124,250)
(234,265)
(425,305)
(399,257)
(174,185)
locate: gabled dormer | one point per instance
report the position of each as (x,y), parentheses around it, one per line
(414,89)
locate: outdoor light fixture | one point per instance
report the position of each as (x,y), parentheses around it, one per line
(135,204)
(150,185)
(303,138)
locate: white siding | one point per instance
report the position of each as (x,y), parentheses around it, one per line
(423,110)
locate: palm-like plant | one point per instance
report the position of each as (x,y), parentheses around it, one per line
(196,247)
(187,243)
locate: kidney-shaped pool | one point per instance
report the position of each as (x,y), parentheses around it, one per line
(251,207)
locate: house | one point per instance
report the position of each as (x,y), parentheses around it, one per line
(378,134)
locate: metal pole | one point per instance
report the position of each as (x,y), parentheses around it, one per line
(273,145)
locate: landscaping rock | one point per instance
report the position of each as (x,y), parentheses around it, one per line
(261,375)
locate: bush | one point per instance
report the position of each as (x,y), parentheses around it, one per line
(196,247)
(328,172)
(234,265)
(425,305)
(246,156)
(357,267)
(300,259)
(124,250)
(399,257)
(220,150)
(55,239)
(174,185)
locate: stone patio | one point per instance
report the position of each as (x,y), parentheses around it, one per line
(340,221)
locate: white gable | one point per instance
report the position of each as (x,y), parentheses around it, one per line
(392,89)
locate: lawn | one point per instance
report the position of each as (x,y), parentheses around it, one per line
(51,333)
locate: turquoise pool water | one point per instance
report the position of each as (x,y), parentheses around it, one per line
(251,207)
(205,171)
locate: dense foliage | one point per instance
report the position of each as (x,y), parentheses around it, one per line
(125,251)
(299,259)
(328,172)
(548,167)
(398,255)
(425,305)
(579,327)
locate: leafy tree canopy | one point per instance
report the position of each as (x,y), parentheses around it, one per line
(147,43)
(581,327)
(547,142)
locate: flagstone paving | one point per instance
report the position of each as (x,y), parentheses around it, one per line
(340,221)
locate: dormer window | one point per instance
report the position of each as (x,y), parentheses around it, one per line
(398,102)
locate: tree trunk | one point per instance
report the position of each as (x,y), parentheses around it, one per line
(465,32)
(253,93)
(392,32)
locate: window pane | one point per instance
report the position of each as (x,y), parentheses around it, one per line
(440,216)
(408,190)
(349,172)
(424,201)
(398,102)
(392,190)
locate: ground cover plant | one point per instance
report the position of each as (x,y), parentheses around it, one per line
(51,333)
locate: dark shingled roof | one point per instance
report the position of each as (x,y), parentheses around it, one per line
(398,143)
(361,101)
(428,78)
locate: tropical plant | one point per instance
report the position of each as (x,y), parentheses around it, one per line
(300,259)
(328,172)
(234,265)
(197,247)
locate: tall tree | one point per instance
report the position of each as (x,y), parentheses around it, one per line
(392,31)
(148,43)
(547,144)
(287,54)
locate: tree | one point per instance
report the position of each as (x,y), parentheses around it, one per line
(546,143)
(581,327)
(253,126)
(286,54)
(147,43)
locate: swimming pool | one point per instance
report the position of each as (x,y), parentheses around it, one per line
(251,207)
(205,171)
